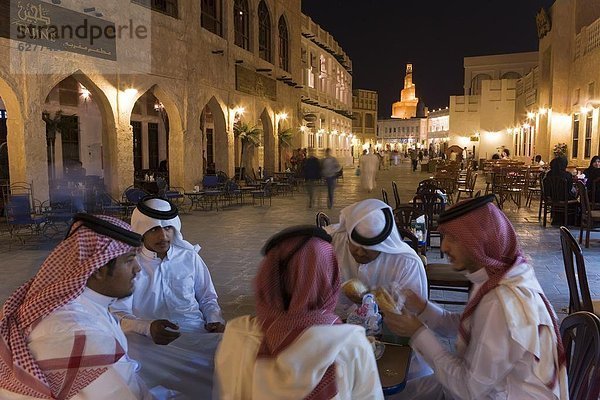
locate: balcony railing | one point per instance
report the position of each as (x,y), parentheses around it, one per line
(167,7)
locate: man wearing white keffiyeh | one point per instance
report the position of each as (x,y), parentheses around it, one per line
(508,343)
(369,248)
(173,320)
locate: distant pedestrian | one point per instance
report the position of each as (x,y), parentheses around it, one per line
(414,159)
(369,163)
(312,174)
(421,155)
(453,155)
(330,167)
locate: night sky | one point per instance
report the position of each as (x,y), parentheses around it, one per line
(382,36)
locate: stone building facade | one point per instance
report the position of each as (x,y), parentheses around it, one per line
(174,92)
(483,118)
(326,107)
(561,102)
(364,122)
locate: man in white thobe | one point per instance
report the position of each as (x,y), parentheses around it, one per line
(58,338)
(174,304)
(369,165)
(508,343)
(369,248)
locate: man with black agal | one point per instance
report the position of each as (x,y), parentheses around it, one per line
(508,343)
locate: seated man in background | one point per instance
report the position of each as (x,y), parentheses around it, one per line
(58,339)
(296,347)
(174,299)
(508,345)
(369,248)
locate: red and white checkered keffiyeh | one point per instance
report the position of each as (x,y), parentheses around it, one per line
(312,280)
(492,243)
(61,279)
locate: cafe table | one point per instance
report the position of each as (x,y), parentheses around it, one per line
(394,364)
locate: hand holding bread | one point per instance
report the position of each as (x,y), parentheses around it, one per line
(354,289)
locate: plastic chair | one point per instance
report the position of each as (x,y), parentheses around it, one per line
(581,340)
(579,290)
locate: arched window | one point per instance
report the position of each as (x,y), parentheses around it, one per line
(369,122)
(241,24)
(284,45)
(476,83)
(510,75)
(211,17)
(264,32)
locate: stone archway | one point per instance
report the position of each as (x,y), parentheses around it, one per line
(215,137)
(93,125)
(19,169)
(269,144)
(181,173)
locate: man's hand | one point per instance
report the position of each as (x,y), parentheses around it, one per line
(413,302)
(160,334)
(215,327)
(404,324)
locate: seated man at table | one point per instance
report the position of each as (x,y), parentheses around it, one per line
(296,347)
(174,296)
(57,337)
(508,343)
(369,248)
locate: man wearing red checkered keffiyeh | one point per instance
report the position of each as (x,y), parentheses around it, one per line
(508,343)
(296,347)
(57,338)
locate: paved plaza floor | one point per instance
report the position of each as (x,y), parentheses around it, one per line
(231,239)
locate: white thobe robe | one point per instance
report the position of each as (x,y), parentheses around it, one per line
(369,164)
(295,372)
(495,364)
(177,288)
(395,272)
(52,338)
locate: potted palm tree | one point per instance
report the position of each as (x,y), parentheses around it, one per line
(286,136)
(249,137)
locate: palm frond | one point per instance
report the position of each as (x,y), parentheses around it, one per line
(247,135)
(286,137)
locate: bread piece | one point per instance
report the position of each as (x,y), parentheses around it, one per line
(354,289)
(384,300)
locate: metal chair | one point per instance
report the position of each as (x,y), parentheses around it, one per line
(384,197)
(580,334)
(264,193)
(557,199)
(588,216)
(322,220)
(396,195)
(20,215)
(579,290)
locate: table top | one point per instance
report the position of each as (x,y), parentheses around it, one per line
(393,367)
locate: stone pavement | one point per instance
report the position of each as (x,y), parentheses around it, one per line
(231,240)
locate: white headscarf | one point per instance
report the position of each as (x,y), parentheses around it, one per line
(142,223)
(369,221)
